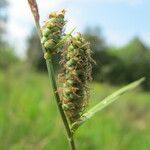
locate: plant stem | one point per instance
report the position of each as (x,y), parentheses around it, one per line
(72,144)
(63,116)
(51,75)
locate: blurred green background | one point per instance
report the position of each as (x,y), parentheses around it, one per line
(29,119)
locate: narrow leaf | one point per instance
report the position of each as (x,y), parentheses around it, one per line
(64,39)
(108,100)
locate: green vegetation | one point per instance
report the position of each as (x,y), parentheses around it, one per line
(7,55)
(28,116)
(35,57)
(29,120)
(120,65)
(114,65)
(133,62)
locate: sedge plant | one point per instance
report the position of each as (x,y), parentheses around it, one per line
(76,63)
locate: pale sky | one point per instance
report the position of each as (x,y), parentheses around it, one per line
(119,20)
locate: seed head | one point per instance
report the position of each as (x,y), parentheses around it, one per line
(76,73)
(52,30)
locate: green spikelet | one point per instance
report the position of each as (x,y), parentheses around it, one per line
(76,74)
(52,31)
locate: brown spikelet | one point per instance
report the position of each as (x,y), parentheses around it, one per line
(76,73)
(34,9)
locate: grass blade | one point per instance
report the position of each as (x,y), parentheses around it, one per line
(64,39)
(104,103)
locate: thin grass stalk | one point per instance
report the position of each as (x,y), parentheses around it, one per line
(49,64)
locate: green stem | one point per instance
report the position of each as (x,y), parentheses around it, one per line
(63,116)
(51,74)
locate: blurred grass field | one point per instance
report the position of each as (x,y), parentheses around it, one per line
(29,119)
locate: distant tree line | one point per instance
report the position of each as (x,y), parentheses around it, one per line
(7,55)
(120,65)
(113,65)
